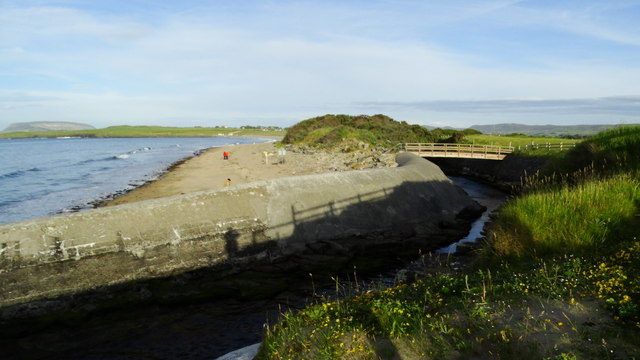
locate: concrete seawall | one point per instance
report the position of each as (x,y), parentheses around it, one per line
(235,228)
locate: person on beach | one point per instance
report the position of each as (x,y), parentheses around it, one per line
(227,182)
(281,154)
(225,155)
(266,158)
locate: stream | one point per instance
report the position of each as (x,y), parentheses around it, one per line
(204,330)
(489,197)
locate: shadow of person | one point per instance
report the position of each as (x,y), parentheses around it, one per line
(231,242)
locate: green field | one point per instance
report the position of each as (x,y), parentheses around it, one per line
(148,131)
(515,141)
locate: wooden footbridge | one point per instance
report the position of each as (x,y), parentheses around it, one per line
(467,151)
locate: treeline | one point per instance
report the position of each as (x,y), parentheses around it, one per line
(262,128)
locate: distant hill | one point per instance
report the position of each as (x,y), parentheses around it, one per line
(46,126)
(542,130)
(340,130)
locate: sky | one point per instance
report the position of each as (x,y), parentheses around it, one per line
(277,62)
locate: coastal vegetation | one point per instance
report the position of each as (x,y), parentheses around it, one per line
(378,130)
(150,131)
(336,131)
(557,277)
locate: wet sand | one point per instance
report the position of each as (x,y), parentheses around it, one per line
(209,171)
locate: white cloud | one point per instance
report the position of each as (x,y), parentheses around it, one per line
(288,61)
(623,106)
(613,21)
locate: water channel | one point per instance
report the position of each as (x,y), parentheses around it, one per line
(204,330)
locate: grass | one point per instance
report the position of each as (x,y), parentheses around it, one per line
(148,131)
(608,152)
(579,307)
(515,141)
(587,217)
(558,278)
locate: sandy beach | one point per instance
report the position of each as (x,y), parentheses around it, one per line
(246,163)
(210,171)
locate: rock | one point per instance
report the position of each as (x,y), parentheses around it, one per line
(246,353)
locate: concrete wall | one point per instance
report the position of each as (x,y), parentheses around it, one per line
(245,224)
(506,175)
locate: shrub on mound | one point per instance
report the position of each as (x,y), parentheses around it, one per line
(376,130)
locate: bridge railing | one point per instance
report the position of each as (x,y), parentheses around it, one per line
(548,146)
(493,152)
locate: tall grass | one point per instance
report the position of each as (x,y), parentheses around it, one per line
(612,151)
(580,218)
(588,198)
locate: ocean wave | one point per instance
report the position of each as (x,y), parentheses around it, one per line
(128,154)
(18,173)
(64,165)
(121,156)
(146,148)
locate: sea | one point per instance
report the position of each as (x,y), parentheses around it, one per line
(42,177)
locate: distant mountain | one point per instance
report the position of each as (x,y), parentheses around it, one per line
(542,130)
(442,127)
(46,126)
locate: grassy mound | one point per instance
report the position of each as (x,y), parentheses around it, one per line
(376,130)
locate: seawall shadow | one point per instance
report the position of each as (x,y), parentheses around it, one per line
(385,223)
(372,230)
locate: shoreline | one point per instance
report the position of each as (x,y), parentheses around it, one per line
(105,200)
(113,198)
(194,173)
(246,163)
(208,171)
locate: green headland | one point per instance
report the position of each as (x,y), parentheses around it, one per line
(150,131)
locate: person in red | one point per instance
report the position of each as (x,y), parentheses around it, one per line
(225,155)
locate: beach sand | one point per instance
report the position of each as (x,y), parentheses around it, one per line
(209,171)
